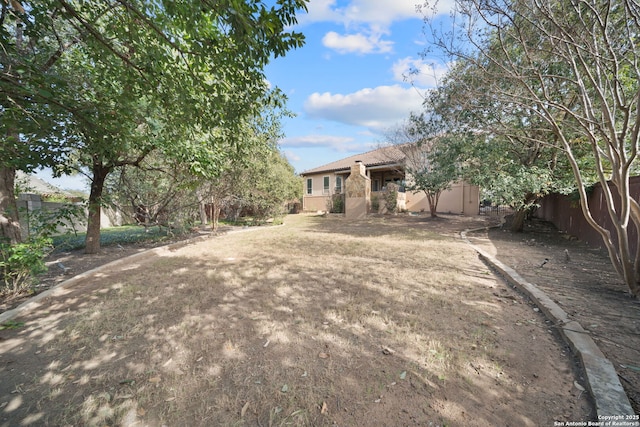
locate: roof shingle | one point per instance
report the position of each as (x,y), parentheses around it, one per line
(387,155)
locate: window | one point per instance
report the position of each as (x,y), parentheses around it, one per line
(326,184)
(338,184)
(375,185)
(309,186)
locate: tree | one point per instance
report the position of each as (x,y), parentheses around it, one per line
(431,162)
(268,182)
(156,192)
(575,65)
(432,167)
(161,192)
(33,129)
(502,148)
(260,180)
(252,176)
(200,65)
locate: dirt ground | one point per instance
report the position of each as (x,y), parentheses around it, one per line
(62,265)
(582,281)
(391,321)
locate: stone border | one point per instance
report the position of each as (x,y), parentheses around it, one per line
(58,289)
(602,380)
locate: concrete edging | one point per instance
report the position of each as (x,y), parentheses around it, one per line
(602,380)
(140,256)
(34,302)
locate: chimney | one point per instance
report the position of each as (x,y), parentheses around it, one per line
(359,168)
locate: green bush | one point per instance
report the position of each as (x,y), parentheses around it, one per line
(21,263)
(124,234)
(47,223)
(338,203)
(335,203)
(375,204)
(391,200)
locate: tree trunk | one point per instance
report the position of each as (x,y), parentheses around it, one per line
(9,223)
(215,214)
(634,287)
(92,240)
(202,206)
(520,216)
(433,204)
(517,226)
(433,210)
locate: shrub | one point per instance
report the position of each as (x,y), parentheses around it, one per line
(338,203)
(391,199)
(48,223)
(20,263)
(335,203)
(375,204)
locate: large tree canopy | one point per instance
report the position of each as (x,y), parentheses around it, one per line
(112,80)
(573,69)
(505,149)
(252,177)
(431,158)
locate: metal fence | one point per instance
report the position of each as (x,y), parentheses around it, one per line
(495,210)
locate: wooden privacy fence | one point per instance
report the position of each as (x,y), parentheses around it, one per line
(565,213)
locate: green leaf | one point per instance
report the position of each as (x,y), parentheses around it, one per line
(11,324)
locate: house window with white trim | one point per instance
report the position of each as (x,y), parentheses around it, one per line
(338,185)
(326,184)
(309,186)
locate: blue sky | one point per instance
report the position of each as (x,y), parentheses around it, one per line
(350,82)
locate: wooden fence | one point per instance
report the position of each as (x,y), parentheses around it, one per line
(565,213)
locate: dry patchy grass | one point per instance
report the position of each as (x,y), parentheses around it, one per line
(320,322)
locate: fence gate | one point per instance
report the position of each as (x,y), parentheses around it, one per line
(488,208)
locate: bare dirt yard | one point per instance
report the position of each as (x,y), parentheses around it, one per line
(582,281)
(390,321)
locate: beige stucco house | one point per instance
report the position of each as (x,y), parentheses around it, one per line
(375,171)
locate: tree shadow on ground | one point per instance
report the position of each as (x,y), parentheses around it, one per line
(286,327)
(583,282)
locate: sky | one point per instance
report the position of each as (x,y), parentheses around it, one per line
(350,83)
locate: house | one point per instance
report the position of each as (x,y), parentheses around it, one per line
(377,170)
(31,184)
(39,200)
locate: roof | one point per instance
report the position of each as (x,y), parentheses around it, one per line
(33,184)
(387,155)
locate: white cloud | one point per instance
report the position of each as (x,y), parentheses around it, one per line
(356,43)
(418,72)
(376,109)
(437,8)
(291,156)
(366,23)
(381,12)
(320,11)
(373,12)
(340,143)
